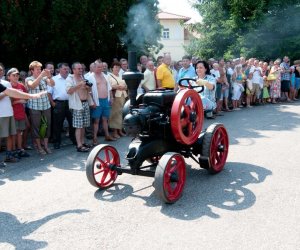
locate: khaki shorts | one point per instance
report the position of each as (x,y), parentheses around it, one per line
(7,126)
(20,125)
(256,89)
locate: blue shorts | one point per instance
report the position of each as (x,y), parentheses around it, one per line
(103,110)
(219,92)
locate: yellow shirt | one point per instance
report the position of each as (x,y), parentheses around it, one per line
(164,74)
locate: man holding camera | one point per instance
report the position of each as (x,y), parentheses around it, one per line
(59,100)
(79,100)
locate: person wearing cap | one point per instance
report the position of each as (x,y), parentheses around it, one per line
(19,112)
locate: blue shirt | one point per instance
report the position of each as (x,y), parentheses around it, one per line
(186,73)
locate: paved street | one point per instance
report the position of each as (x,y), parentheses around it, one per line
(253,204)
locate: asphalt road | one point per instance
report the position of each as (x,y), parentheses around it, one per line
(252,204)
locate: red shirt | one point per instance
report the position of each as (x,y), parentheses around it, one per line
(19,109)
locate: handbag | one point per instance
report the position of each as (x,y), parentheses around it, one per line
(271,77)
(43,127)
(114,90)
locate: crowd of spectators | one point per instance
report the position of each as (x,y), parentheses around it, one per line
(82,98)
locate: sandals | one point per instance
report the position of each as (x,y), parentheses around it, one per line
(42,151)
(109,138)
(48,151)
(87,145)
(82,149)
(116,136)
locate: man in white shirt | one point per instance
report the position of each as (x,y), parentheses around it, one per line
(255,73)
(7,123)
(215,72)
(59,102)
(124,66)
(79,101)
(148,83)
(92,68)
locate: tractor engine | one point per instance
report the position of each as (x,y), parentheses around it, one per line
(152,117)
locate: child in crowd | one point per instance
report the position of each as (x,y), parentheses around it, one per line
(266,95)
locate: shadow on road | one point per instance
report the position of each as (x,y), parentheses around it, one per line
(203,193)
(247,126)
(36,165)
(13,231)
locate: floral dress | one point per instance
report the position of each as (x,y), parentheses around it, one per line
(275,86)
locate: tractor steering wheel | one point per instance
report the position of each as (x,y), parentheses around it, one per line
(190,86)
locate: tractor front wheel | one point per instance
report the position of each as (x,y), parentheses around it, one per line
(101,164)
(170,177)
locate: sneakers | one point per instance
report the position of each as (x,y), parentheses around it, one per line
(22,153)
(11,159)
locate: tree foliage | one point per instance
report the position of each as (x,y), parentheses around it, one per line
(258,28)
(59,30)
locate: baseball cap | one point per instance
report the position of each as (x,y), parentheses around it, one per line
(13,71)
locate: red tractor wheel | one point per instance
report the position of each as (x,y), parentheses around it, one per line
(170,177)
(215,147)
(187,116)
(99,166)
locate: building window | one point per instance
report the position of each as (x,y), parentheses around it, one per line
(166,33)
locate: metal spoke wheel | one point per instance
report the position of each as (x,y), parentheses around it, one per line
(100,166)
(215,147)
(170,177)
(187,116)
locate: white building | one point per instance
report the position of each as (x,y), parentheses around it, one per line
(174,34)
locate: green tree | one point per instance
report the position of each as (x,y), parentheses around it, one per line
(260,28)
(59,30)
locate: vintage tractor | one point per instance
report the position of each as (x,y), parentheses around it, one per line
(167,127)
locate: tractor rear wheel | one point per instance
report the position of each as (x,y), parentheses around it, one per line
(215,147)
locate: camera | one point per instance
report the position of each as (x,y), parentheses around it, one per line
(88,83)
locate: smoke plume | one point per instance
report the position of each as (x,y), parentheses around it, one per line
(143,29)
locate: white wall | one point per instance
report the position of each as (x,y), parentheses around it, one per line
(173,45)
